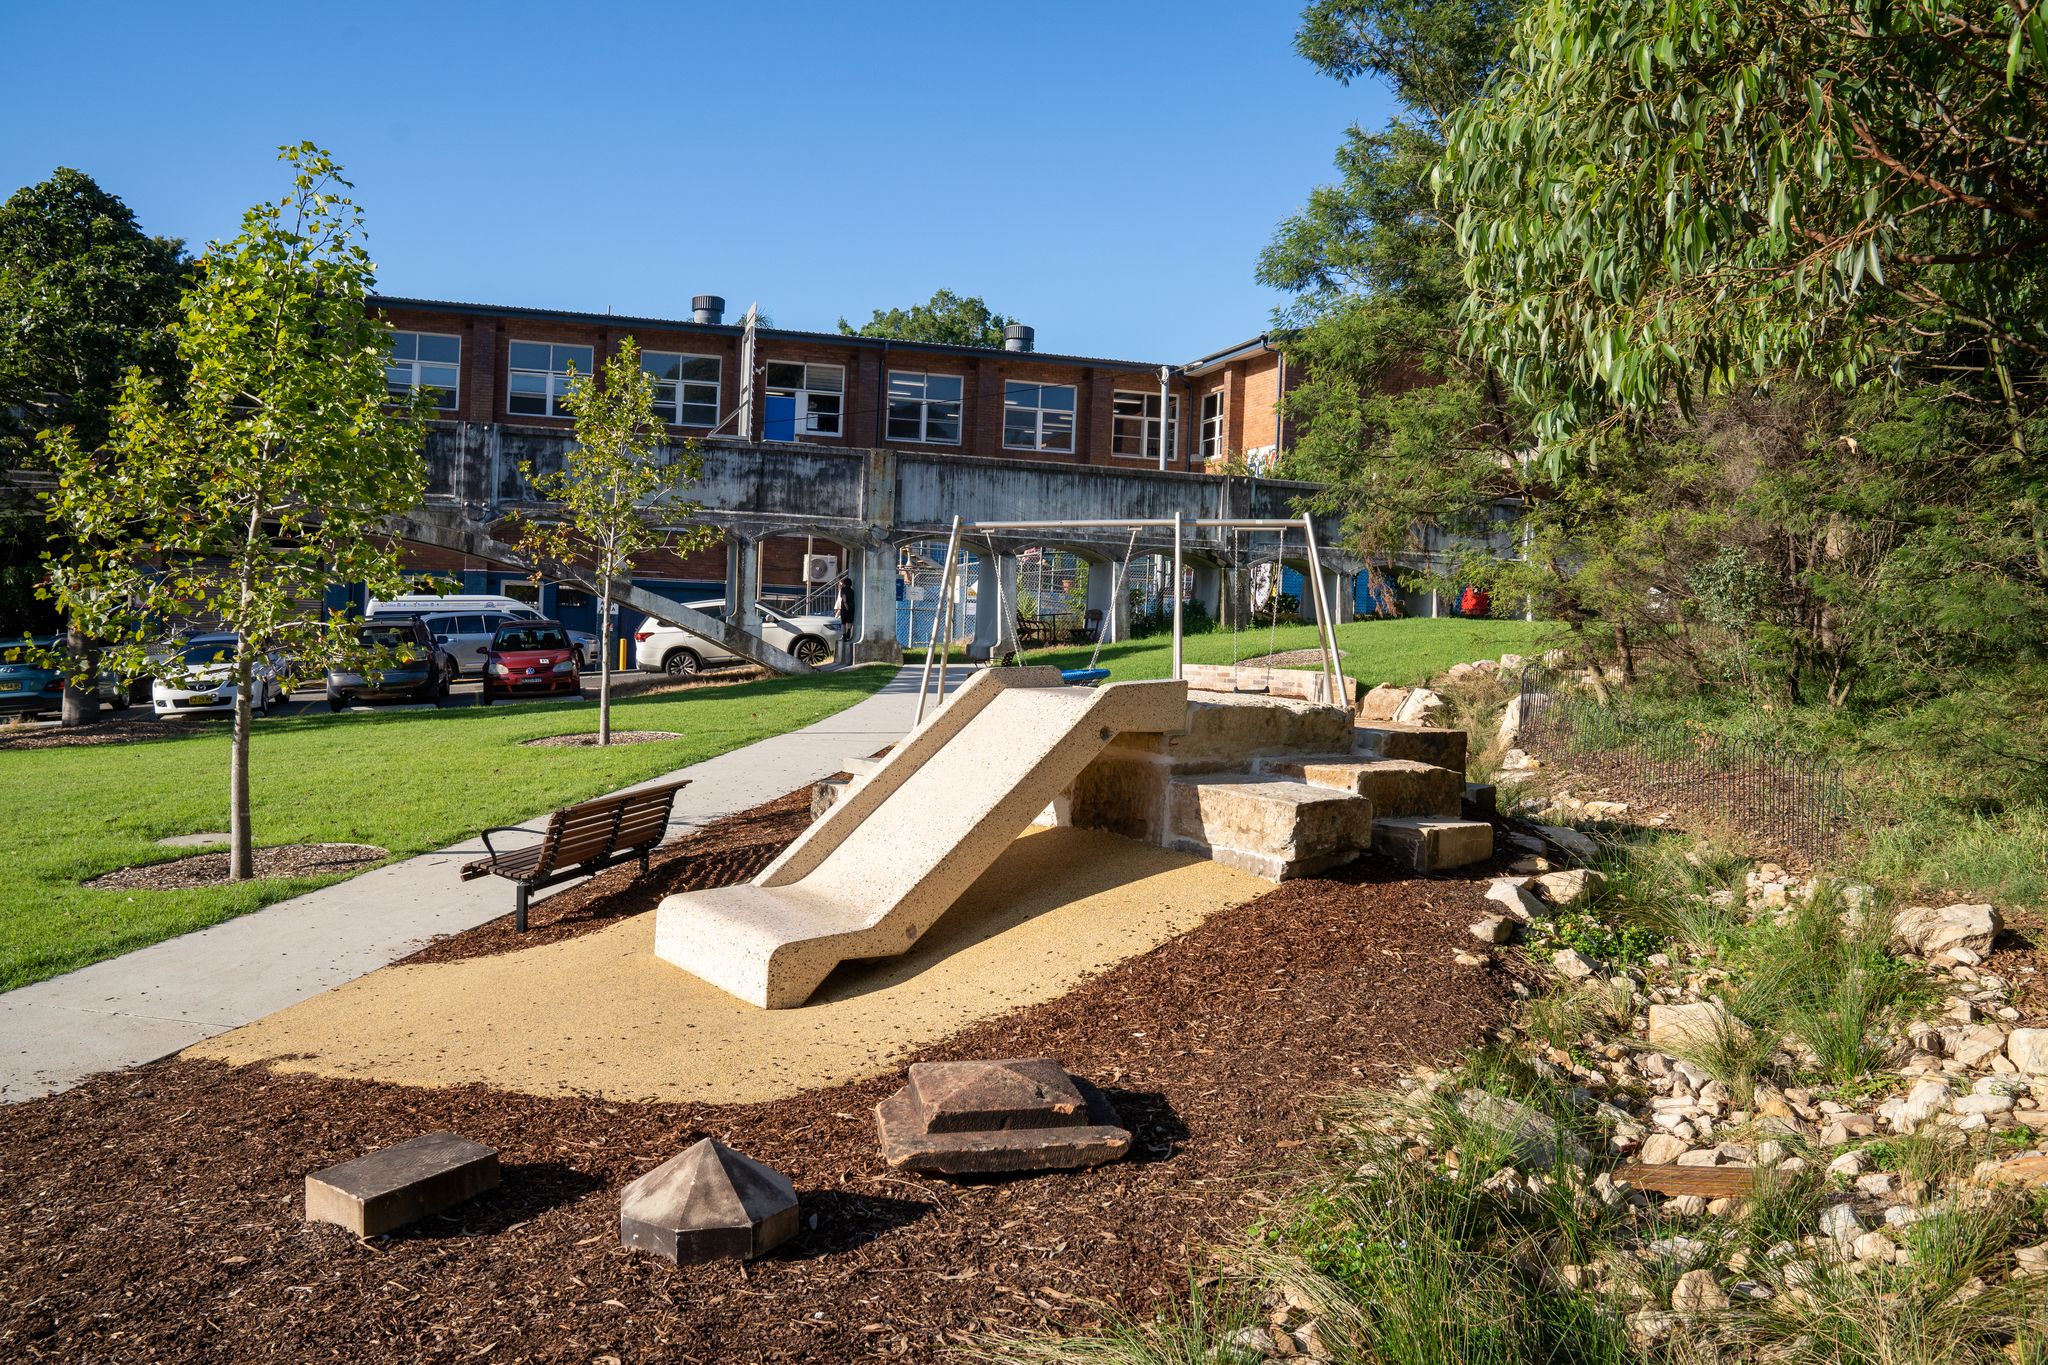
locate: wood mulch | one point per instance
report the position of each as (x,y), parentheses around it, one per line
(157,1213)
(118,729)
(588,739)
(1289,658)
(211,869)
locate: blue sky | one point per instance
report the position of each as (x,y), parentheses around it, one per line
(1106,172)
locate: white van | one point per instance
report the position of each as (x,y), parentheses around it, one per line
(464,623)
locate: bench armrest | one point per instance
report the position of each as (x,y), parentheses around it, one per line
(498,829)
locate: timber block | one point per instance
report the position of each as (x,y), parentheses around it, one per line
(1269,827)
(984,1118)
(1395,786)
(1431,843)
(1418,743)
(398,1185)
(708,1204)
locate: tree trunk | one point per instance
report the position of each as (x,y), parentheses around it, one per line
(241,840)
(604,662)
(81,680)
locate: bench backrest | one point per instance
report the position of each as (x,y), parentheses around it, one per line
(596,829)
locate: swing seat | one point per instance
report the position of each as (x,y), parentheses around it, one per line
(1075,677)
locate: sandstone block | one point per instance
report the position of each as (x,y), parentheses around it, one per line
(708,1204)
(1271,828)
(1432,844)
(1395,786)
(977,1118)
(398,1185)
(1932,930)
(1382,702)
(1692,1026)
(1419,743)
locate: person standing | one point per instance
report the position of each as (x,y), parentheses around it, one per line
(842,607)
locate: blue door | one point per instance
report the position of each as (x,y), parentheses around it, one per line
(778,421)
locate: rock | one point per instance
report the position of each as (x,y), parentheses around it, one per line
(1519,711)
(1574,965)
(1683,1252)
(1926,1099)
(1256,1340)
(708,1204)
(1871,1246)
(2031,1262)
(1568,887)
(1493,929)
(1516,899)
(1981,1104)
(1839,1222)
(2029,1171)
(1533,1137)
(2028,1049)
(1469,959)
(981,1117)
(1417,707)
(1661,1149)
(397,1185)
(1697,1291)
(1849,1165)
(1570,840)
(1977,1044)
(1651,1327)
(1931,930)
(1875,1184)
(1692,1026)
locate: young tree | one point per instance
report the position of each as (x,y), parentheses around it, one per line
(241,492)
(616,487)
(85,296)
(948,319)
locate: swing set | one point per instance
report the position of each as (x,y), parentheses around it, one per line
(1326,636)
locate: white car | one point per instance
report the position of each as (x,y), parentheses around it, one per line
(672,650)
(205,668)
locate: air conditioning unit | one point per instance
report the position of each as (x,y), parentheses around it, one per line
(820,568)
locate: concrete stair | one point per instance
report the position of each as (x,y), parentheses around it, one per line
(1275,828)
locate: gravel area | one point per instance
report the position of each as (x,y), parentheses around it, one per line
(589,740)
(156,1214)
(211,869)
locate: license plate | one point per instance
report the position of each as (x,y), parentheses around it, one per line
(10,686)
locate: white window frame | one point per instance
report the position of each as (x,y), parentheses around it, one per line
(924,402)
(392,363)
(1038,412)
(806,420)
(1148,439)
(1212,424)
(558,380)
(681,386)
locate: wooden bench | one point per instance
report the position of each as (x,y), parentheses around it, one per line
(581,840)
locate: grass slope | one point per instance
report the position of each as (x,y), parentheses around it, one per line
(1403,651)
(407,781)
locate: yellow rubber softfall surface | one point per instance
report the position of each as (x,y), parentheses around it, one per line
(601,1015)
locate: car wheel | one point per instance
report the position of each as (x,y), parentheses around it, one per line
(337,703)
(682,663)
(809,649)
(119,701)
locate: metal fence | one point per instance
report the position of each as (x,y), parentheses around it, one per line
(1778,799)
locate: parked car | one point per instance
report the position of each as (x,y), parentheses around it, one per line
(672,650)
(464,625)
(28,687)
(203,679)
(530,659)
(420,669)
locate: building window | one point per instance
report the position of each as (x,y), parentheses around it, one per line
(424,360)
(803,400)
(1038,416)
(1212,424)
(685,387)
(538,377)
(1135,429)
(924,407)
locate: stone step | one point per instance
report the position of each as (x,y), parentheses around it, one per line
(1418,743)
(1428,843)
(388,1189)
(1271,827)
(1395,786)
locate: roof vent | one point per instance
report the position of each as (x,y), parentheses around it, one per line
(1018,337)
(707,308)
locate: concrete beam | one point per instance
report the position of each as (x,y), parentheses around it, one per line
(452,531)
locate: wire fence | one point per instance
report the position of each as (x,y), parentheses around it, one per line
(1776,798)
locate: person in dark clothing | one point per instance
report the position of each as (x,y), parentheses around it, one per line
(842,607)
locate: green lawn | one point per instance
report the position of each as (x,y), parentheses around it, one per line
(407,781)
(1405,650)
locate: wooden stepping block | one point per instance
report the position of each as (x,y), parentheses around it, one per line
(709,1204)
(388,1189)
(1713,1182)
(984,1118)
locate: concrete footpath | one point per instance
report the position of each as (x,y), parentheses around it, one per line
(158,1000)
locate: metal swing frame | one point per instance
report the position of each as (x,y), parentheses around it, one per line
(1326,634)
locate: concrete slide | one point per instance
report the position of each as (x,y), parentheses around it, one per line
(904,841)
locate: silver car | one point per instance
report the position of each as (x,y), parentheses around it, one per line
(659,648)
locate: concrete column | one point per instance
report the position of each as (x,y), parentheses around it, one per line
(1104,597)
(1208,588)
(1343,596)
(995,611)
(742,583)
(875,607)
(1236,610)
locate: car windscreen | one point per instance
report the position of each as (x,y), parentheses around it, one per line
(386,637)
(212,652)
(530,637)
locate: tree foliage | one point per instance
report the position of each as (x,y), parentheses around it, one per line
(615,493)
(946,318)
(235,494)
(1667,201)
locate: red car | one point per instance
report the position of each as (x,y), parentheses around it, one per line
(531,659)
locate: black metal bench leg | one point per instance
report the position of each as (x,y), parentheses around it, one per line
(519,911)
(643,862)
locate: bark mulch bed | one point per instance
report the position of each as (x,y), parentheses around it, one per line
(211,869)
(1289,658)
(589,740)
(118,730)
(156,1214)
(726,851)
